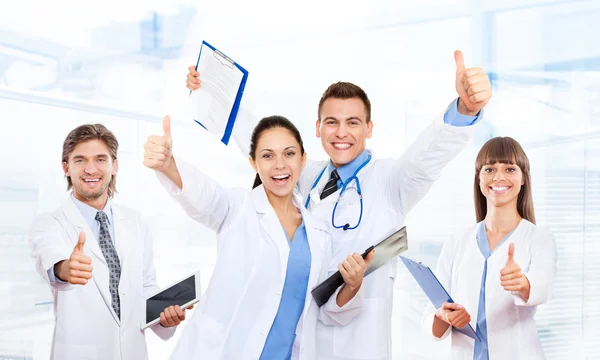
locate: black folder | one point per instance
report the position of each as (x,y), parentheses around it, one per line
(385,250)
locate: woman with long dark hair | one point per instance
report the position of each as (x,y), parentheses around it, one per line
(499,270)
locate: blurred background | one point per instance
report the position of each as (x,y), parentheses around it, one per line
(123,63)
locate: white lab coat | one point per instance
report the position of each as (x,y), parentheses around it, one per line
(390,188)
(86,326)
(235,314)
(511,328)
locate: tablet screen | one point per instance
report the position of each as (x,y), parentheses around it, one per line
(179,294)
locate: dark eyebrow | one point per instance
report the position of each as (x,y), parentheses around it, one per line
(350,118)
(354,118)
(287,148)
(99,156)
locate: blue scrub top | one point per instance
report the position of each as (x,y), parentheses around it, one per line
(283,331)
(481,347)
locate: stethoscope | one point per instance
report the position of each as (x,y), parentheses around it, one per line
(345,185)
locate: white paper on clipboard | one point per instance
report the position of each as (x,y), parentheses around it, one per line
(212,104)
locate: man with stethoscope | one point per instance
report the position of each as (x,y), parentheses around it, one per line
(365,199)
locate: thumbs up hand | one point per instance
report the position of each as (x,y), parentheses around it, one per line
(511,277)
(472,85)
(158,153)
(78,269)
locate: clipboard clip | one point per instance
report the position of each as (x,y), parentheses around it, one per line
(224,60)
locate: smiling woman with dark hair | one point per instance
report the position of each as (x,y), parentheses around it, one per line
(271,253)
(500,269)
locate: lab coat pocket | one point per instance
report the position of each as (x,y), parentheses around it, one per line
(203,339)
(362,338)
(209,330)
(75,352)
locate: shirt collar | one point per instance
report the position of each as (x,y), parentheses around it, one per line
(89,213)
(347,170)
(482,240)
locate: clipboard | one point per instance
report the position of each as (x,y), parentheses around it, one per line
(434,290)
(385,250)
(226,61)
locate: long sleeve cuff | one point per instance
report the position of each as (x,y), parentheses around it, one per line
(454,118)
(332,314)
(53,278)
(162,332)
(57,283)
(355,303)
(538,293)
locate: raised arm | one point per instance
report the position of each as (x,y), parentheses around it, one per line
(202,198)
(411,177)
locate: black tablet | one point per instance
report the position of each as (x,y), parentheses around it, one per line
(184,293)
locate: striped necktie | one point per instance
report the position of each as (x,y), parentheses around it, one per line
(331,185)
(112,260)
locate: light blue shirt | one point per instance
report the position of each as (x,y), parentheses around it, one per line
(347,170)
(89,215)
(454,118)
(283,331)
(481,347)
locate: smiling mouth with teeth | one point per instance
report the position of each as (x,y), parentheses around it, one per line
(499,188)
(280,177)
(91,180)
(342,146)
